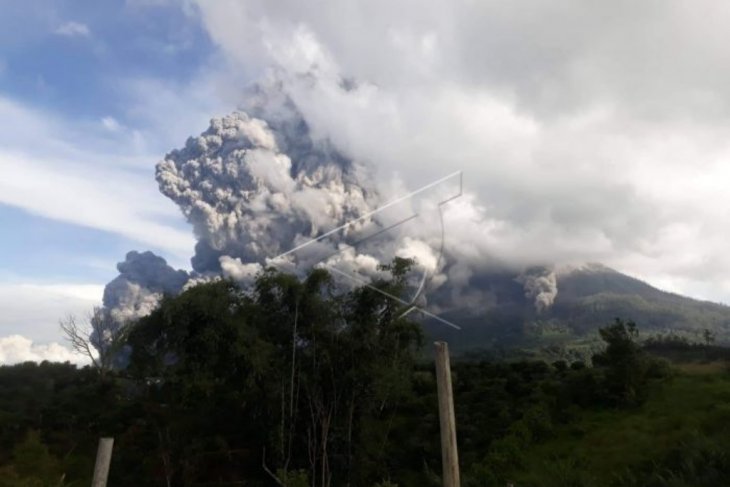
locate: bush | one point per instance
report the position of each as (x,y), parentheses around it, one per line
(659,368)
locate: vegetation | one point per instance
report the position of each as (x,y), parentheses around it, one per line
(294,383)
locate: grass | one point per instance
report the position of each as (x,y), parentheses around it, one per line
(608,442)
(704,368)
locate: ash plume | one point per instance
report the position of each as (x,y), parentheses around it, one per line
(255,184)
(143,279)
(260,182)
(249,199)
(540,285)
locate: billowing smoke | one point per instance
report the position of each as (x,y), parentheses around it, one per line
(541,285)
(253,188)
(143,279)
(258,183)
(252,192)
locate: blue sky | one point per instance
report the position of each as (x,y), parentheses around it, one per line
(74,57)
(92,95)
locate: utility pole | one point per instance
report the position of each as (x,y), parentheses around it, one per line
(103,460)
(449,452)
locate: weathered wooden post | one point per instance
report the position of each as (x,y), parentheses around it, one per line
(449,452)
(103,459)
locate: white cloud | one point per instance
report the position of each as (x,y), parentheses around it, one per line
(73,29)
(34,309)
(586,132)
(16,349)
(167,113)
(108,199)
(111,124)
(73,174)
(96,173)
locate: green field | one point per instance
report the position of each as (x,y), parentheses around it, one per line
(682,430)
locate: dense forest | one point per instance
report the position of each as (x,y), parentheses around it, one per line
(294,382)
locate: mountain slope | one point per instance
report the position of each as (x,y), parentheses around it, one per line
(593,295)
(588,297)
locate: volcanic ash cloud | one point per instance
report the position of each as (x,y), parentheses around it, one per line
(143,279)
(541,285)
(254,187)
(247,199)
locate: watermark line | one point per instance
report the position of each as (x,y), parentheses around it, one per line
(393,297)
(377,210)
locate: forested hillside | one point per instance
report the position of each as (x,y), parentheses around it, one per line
(587,297)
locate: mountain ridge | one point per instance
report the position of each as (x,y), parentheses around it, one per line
(588,297)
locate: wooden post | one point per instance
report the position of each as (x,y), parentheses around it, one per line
(449,452)
(103,459)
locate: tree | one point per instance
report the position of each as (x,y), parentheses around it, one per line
(98,337)
(32,465)
(626,364)
(295,368)
(709,336)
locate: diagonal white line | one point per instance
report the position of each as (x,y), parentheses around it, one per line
(377,210)
(391,296)
(362,282)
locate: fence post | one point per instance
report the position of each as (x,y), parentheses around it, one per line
(103,459)
(449,452)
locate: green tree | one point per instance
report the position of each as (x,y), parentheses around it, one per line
(292,367)
(708,336)
(626,365)
(32,465)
